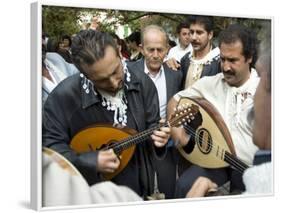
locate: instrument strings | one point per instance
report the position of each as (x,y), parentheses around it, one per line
(229,158)
(132,140)
(126,143)
(232,160)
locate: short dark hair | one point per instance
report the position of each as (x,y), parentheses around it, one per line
(181,26)
(115,36)
(172,43)
(207,21)
(248,38)
(68,38)
(134,37)
(52,45)
(88,46)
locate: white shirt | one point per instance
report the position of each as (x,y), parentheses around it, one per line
(58,61)
(259,179)
(160,82)
(177,52)
(58,69)
(56,75)
(232,106)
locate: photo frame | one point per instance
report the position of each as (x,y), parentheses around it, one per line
(36,149)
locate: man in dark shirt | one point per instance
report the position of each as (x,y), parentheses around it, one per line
(105,92)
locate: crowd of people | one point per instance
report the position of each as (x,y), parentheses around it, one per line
(96,78)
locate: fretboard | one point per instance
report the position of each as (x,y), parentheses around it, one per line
(233,161)
(135,139)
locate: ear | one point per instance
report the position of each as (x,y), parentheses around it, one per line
(210,35)
(166,49)
(249,60)
(141,49)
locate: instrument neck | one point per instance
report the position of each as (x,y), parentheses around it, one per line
(233,161)
(135,139)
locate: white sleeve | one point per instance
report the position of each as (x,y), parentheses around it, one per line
(196,90)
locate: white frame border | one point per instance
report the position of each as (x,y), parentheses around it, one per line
(36,93)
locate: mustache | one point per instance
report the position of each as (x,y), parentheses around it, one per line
(228,72)
(195,43)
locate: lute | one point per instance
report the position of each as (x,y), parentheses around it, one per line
(123,141)
(211,145)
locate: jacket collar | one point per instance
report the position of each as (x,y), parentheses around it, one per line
(88,99)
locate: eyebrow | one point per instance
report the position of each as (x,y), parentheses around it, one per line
(229,58)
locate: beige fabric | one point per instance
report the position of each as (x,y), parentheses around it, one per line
(196,66)
(193,74)
(63,185)
(108,192)
(60,187)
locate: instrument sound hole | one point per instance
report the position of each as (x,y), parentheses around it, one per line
(109,145)
(204,140)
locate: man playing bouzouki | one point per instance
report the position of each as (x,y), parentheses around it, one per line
(104,92)
(258,179)
(231,93)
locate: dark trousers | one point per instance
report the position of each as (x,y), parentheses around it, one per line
(166,172)
(219,176)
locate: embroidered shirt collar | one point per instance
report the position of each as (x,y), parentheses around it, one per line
(213,54)
(247,84)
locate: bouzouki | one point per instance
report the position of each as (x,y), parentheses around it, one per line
(123,141)
(211,144)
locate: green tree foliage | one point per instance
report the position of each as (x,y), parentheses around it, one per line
(58,21)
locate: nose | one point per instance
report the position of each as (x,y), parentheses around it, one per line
(193,36)
(155,54)
(225,66)
(114,83)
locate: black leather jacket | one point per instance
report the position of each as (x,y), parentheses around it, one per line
(69,109)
